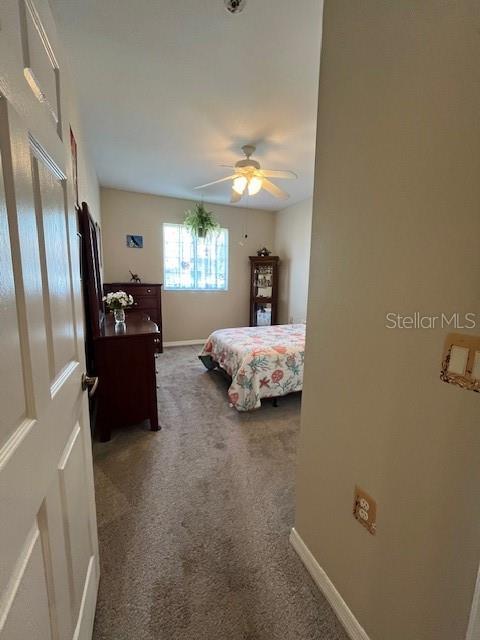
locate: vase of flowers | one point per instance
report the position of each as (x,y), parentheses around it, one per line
(117,302)
(119,315)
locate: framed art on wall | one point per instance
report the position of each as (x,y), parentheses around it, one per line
(135,242)
(98,229)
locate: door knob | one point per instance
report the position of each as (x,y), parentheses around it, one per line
(90,383)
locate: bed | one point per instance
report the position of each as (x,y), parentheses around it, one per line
(262,362)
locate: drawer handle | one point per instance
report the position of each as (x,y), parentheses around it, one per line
(149,291)
(157,340)
(135,304)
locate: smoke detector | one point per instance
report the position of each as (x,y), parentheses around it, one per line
(235,6)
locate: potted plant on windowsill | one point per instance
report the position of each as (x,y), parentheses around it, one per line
(200,221)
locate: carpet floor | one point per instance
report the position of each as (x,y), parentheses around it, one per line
(194,520)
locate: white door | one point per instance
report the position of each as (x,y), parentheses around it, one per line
(48,539)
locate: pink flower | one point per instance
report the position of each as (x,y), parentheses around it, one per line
(280,349)
(233,397)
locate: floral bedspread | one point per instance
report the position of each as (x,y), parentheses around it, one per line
(264,362)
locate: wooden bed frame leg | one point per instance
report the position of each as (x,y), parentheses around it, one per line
(275,402)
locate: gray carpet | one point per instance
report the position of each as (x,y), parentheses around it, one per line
(194,520)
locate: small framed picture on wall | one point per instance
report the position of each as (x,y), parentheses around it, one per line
(135,242)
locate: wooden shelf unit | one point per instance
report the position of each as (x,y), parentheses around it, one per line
(263,275)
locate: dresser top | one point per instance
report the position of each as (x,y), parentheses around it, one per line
(132,327)
(133,284)
(263,258)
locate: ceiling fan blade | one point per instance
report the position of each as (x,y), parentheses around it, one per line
(209,184)
(238,170)
(235,197)
(274,190)
(271,173)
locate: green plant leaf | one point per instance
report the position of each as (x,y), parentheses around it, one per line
(200,221)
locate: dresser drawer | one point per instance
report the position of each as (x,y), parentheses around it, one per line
(147,301)
(134,290)
(142,291)
(142,302)
(157,344)
(150,313)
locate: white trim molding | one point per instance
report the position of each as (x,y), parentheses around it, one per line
(326,586)
(183,343)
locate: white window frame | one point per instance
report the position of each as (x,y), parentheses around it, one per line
(227,262)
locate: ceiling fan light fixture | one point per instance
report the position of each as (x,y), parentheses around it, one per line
(239,184)
(254,185)
(248,173)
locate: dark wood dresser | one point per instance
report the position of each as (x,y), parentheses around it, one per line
(147,301)
(125,365)
(121,362)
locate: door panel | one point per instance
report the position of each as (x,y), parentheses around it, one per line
(49,566)
(40,65)
(75,515)
(12,389)
(53,537)
(49,194)
(28,616)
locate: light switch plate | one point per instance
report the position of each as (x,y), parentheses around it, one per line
(365,510)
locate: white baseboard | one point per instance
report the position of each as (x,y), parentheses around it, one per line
(183,343)
(326,586)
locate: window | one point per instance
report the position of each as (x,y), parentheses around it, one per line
(195,263)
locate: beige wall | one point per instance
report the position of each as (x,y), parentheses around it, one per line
(24,102)
(187,315)
(293,227)
(88,187)
(396,227)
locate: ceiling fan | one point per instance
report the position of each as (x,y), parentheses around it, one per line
(250,178)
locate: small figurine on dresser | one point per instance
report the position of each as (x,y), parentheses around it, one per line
(135,278)
(263,252)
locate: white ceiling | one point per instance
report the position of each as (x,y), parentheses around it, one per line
(170,89)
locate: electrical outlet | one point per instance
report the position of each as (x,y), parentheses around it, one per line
(365,510)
